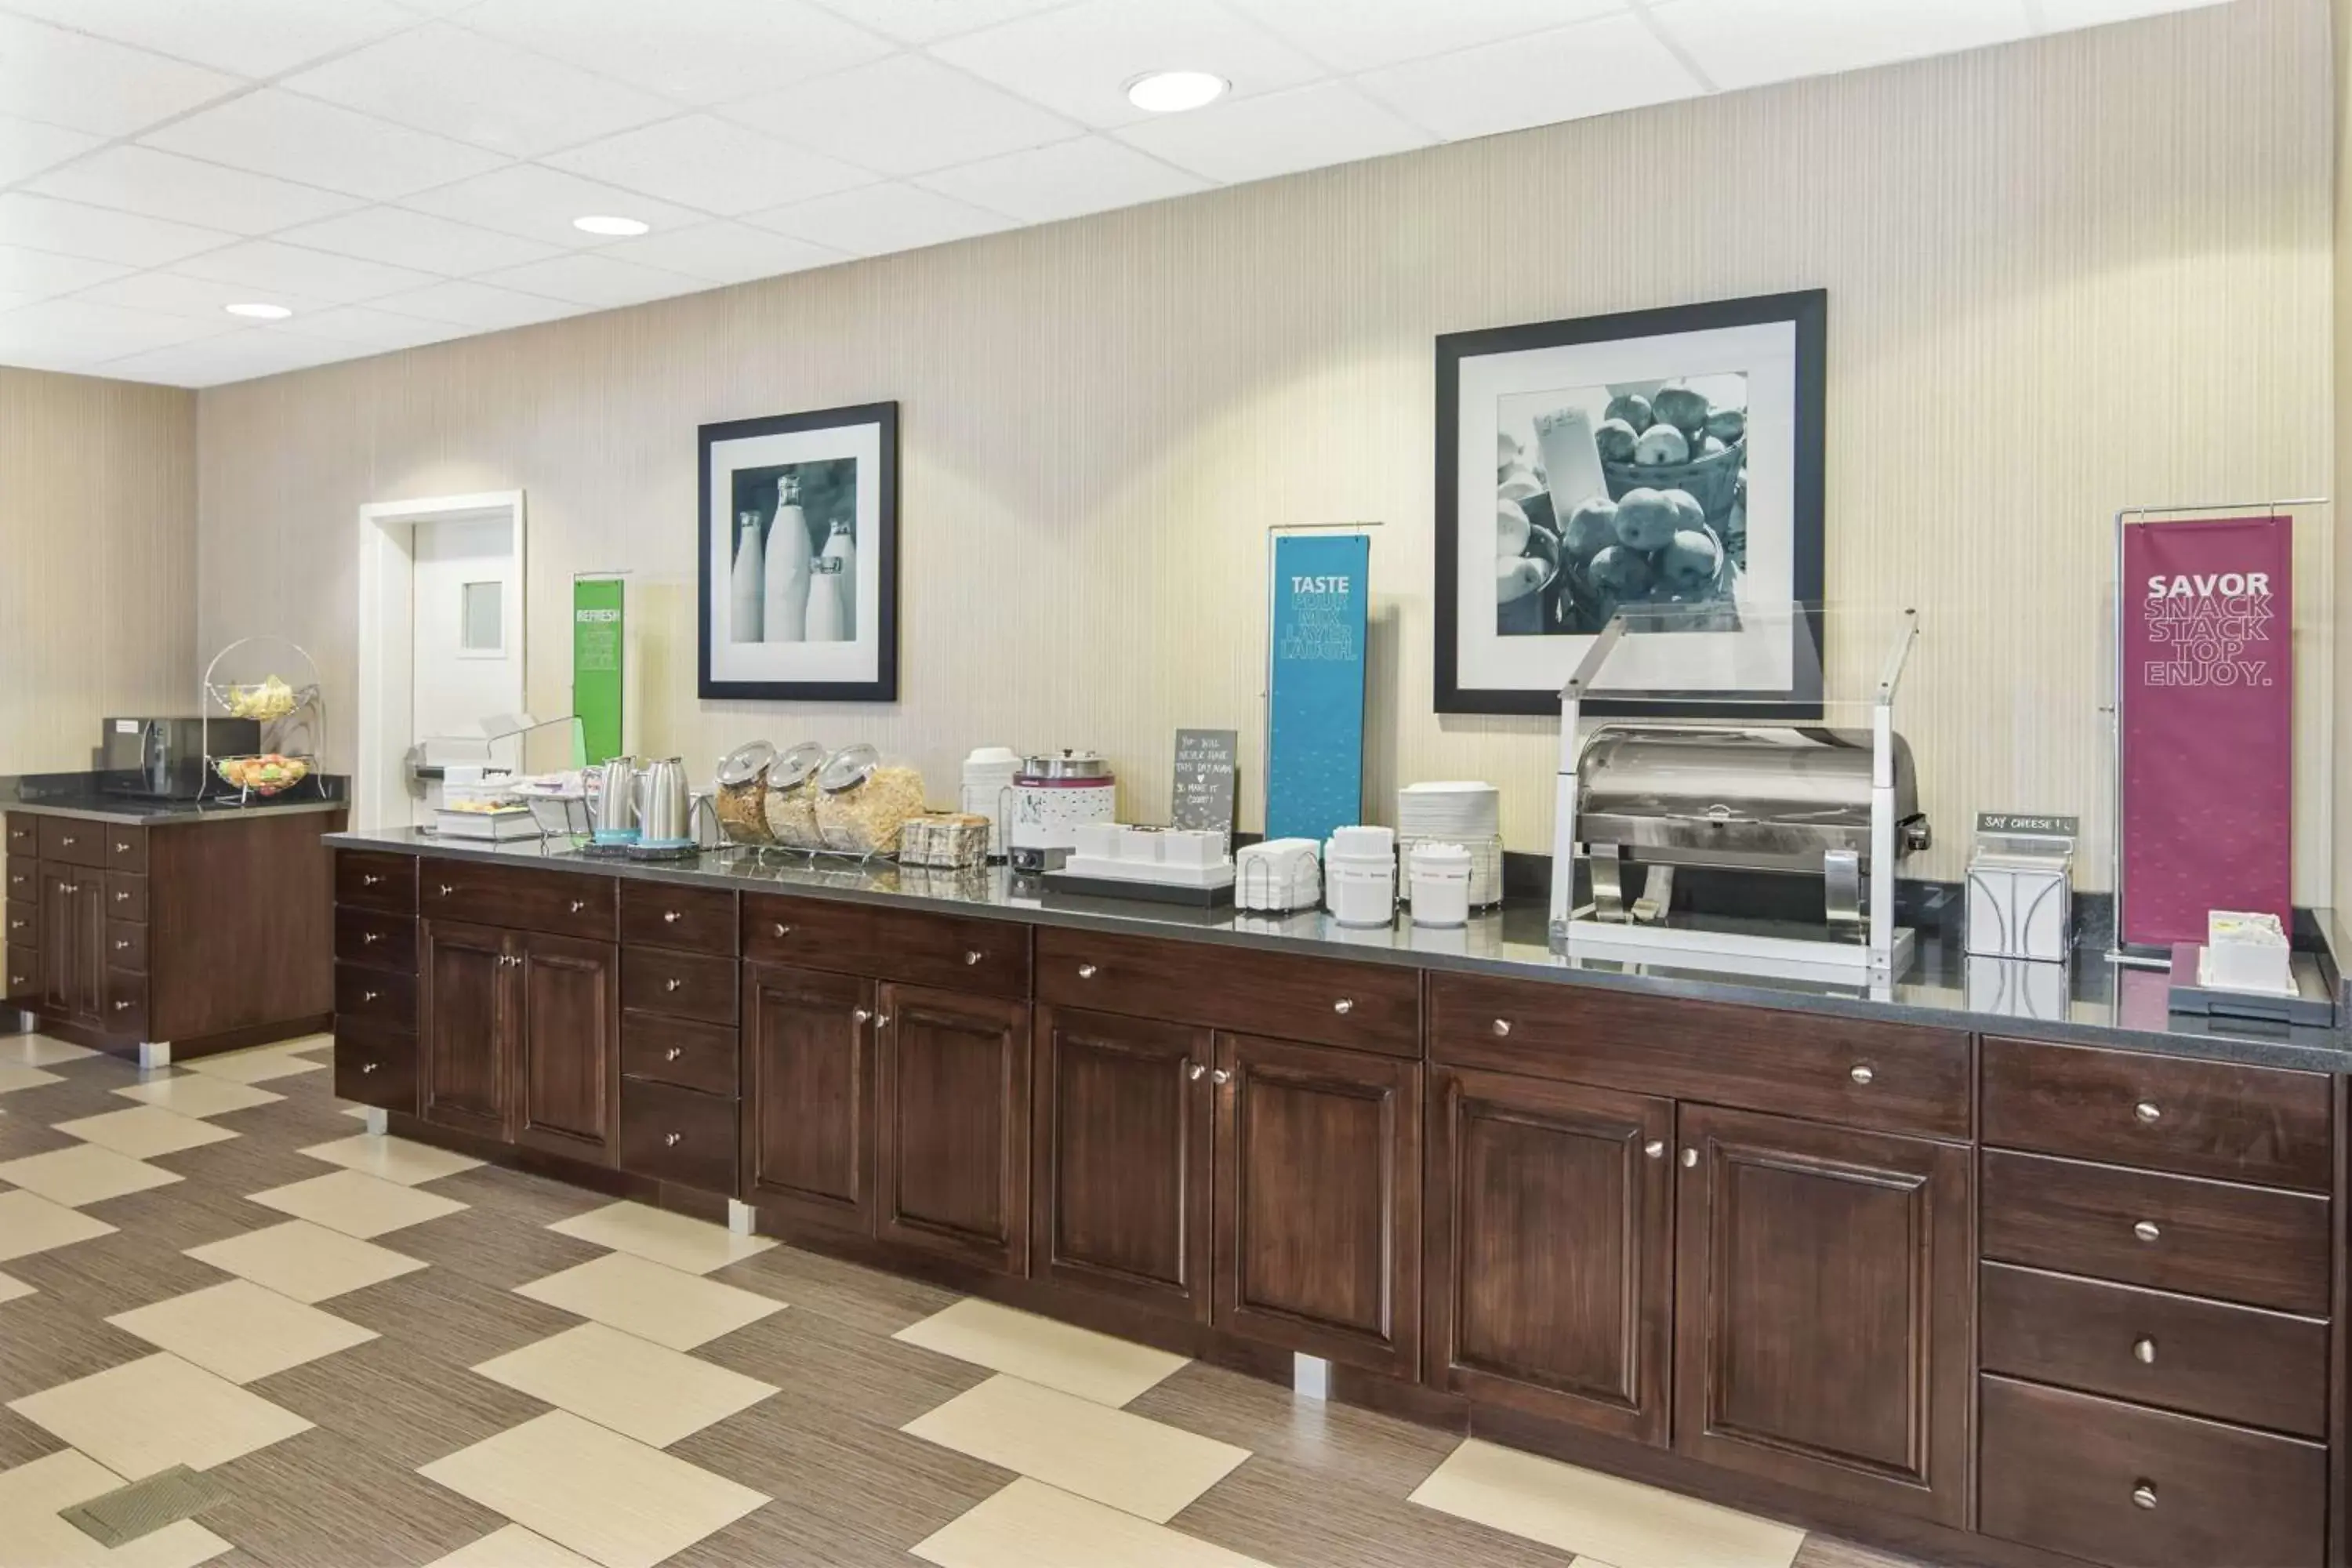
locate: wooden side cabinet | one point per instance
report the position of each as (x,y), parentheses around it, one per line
(952,1140)
(808,1112)
(73,945)
(518,1037)
(463,1078)
(1824,1312)
(1550,1250)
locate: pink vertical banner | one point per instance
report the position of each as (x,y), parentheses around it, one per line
(2208,724)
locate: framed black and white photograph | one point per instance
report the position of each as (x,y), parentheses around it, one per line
(799,556)
(1663,463)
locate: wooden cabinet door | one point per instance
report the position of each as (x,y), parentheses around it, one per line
(808,1110)
(1318,1200)
(565,1040)
(57,952)
(1825,1309)
(952,1146)
(1122,1180)
(1550,1252)
(468,1021)
(73,943)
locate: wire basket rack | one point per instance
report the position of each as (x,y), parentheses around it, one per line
(291,713)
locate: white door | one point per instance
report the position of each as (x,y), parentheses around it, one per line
(466,606)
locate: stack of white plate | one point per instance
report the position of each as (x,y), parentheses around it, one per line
(1460,812)
(987,782)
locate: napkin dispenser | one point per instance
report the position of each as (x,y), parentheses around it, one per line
(2020,894)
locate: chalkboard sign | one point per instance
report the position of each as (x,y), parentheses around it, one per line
(1203,793)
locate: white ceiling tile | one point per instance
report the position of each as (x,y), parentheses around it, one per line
(405,238)
(711,163)
(1362,34)
(695,51)
(296,138)
(1043,183)
(1593,67)
(1254,137)
(269,264)
(71,228)
(164,184)
(27,146)
(722,252)
(539,203)
(905,115)
(199,299)
(2058,16)
(451,82)
(251,37)
(85,334)
(239,356)
(91,84)
(39,273)
(593,279)
(1078,61)
(922,21)
(367,329)
(874,219)
(1739,42)
(475,305)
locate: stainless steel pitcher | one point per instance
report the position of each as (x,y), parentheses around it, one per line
(665,807)
(616,802)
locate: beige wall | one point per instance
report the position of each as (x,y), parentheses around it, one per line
(2340,57)
(2064,277)
(97,529)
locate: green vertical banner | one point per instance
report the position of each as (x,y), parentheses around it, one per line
(598,605)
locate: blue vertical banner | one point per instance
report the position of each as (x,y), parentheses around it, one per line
(1315,683)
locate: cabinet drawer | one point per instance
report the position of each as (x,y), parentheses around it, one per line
(1331,1001)
(678,1135)
(678,985)
(375,1065)
(24,927)
(2254,1245)
(371,881)
(378,995)
(978,957)
(24,877)
(1891,1078)
(73,841)
(124,1009)
(24,974)
(126,849)
(376,940)
(126,945)
(2199,1119)
(695,919)
(561,903)
(2234,1364)
(126,896)
(23,834)
(680,1051)
(2145,1489)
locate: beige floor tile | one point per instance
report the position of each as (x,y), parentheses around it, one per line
(145,1131)
(258,1065)
(15,1075)
(1150,1470)
(1038,1350)
(357,1112)
(512,1547)
(355,1204)
(150,1415)
(392,1159)
(32,1536)
(12,1288)
(305,1262)
(651,1300)
(635,1387)
(605,1497)
(194,1094)
(1032,1525)
(30,1222)
(84,1175)
(39,1051)
(240,1331)
(692,1244)
(1620,1522)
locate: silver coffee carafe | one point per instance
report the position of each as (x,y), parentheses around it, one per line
(665,806)
(616,802)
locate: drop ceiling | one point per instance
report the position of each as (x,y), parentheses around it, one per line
(400,171)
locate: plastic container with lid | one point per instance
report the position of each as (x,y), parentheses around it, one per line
(1439,875)
(1360,876)
(741,800)
(862,802)
(790,805)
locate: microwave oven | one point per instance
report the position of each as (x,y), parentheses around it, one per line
(164,758)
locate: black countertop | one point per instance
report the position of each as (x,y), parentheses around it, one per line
(2089,1000)
(79,795)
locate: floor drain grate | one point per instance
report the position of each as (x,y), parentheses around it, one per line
(145,1506)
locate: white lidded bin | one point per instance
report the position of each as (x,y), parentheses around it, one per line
(1360,876)
(1439,875)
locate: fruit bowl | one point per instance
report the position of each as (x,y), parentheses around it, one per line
(263,775)
(265,700)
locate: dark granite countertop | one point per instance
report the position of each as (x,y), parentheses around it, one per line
(79,795)
(2089,1000)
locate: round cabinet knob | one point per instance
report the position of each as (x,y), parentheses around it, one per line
(1860,1072)
(669,916)
(2148,1112)
(973,956)
(1086,972)
(2145,1230)
(1197,1072)
(1220,1076)
(367,938)
(1502,1027)
(123,1007)
(2144,1351)
(123,849)
(120,945)
(364,995)
(1690,1159)
(367,1068)
(784,929)
(672,1054)
(672,983)
(67,841)
(446,888)
(1344,1005)
(881,1020)
(369,880)
(669,1139)
(125,898)
(579,904)
(2144,1495)
(859,1016)
(1655,1149)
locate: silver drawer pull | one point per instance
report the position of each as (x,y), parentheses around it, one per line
(67,842)
(784,929)
(1086,971)
(1344,1005)
(123,849)
(672,1054)
(2148,1112)
(670,1140)
(1220,1076)
(122,944)
(446,888)
(1196,1072)
(672,983)
(369,996)
(369,880)
(2145,1230)
(973,956)
(860,1016)
(1860,1072)
(669,916)
(367,938)
(1655,1149)
(19,925)
(579,904)
(367,1068)
(120,898)
(881,1020)
(123,1007)
(2144,1351)
(1502,1027)
(2144,1495)
(1690,1159)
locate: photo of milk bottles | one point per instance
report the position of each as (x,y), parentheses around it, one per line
(784,615)
(794,578)
(743,620)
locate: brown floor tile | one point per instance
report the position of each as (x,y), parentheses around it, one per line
(446,1317)
(492,1248)
(879,1303)
(1303,1518)
(318,1499)
(49,1342)
(831,1366)
(111,1274)
(1828,1552)
(782,1536)
(21,1137)
(1358,1445)
(21,1442)
(518,1195)
(402,1407)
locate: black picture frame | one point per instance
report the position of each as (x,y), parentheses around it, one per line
(884,687)
(1807,312)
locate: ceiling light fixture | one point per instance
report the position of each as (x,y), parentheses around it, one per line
(618,227)
(259,312)
(1173,93)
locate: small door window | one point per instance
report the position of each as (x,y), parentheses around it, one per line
(481,620)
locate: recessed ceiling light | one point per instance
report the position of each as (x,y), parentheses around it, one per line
(602,223)
(1173,93)
(258,310)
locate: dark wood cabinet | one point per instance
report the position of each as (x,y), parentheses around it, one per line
(952,1137)
(1825,1309)
(1318,1200)
(566,1045)
(1123,1181)
(1550,1250)
(73,943)
(808,1112)
(463,1078)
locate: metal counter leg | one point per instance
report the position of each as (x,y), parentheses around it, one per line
(153,1054)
